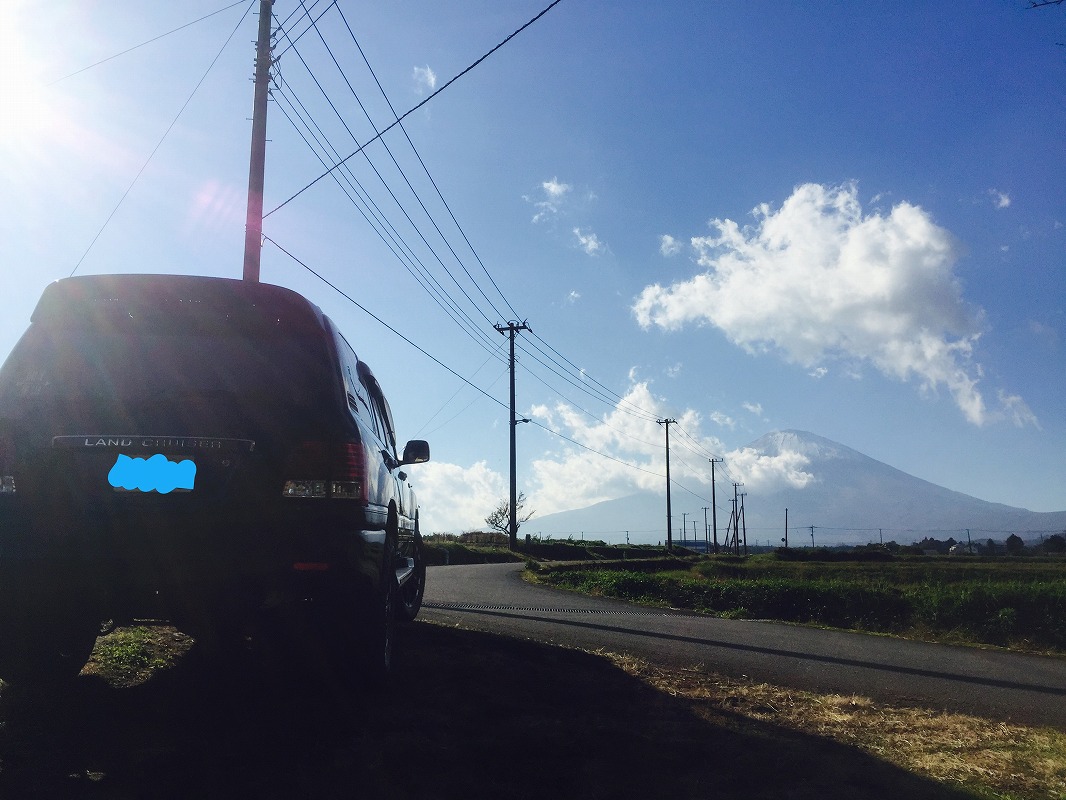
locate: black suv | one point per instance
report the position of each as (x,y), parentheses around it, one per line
(201,450)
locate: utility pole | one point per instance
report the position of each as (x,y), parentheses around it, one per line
(510,329)
(736,518)
(253,227)
(744,522)
(785,540)
(714,506)
(684,526)
(812,536)
(669,518)
(706,532)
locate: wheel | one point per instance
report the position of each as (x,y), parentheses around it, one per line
(409,595)
(357,639)
(378,651)
(374,650)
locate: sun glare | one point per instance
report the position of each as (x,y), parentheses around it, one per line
(30,115)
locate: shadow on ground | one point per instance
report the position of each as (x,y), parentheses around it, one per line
(467,715)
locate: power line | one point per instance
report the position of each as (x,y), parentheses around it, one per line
(431,179)
(379,320)
(615,400)
(384,183)
(162,139)
(596,395)
(414,108)
(153,39)
(312,24)
(440,363)
(380,223)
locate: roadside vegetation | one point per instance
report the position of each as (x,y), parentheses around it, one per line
(1003,601)
(983,758)
(491,547)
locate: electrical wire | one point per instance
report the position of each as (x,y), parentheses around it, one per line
(615,400)
(595,394)
(451,371)
(413,109)
(384,230)
(431,179)
(384,183)
(150,41)
(379,320)
(162,139)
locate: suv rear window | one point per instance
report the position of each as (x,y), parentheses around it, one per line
(96,377)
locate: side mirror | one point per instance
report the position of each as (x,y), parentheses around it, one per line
(415,451)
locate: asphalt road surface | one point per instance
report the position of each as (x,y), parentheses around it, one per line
(994,684)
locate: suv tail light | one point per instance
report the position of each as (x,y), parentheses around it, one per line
(326,469)
(7,464)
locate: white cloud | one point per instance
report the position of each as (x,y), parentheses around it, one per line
(548,205)
(454,498)
(425,79)
(573,477)
(1001,199)
(1044,333)
(578,475)
(818,372)
(764,473)
(576,478)
(754,408)
(589,242)
(669,246)
(718,418)
(573,297)
(818,280)
(674,371)
(1014,409)
(555,189)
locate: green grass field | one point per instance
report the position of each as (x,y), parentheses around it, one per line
(1018,603)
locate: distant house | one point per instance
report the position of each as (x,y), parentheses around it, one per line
(935,547)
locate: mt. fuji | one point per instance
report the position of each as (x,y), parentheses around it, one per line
(848,498)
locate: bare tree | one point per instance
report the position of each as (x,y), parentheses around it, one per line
(500,517)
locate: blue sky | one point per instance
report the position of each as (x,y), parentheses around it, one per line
(847,219)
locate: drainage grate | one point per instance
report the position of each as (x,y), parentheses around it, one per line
(543,610)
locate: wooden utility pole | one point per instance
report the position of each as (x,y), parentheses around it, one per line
(253,227)
(785,540)
(510,329)
(669,516)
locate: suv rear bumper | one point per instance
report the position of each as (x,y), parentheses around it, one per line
(193,566)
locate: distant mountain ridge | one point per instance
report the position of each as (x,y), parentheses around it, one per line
(848,497)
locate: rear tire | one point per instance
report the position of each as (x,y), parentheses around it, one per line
(409,596)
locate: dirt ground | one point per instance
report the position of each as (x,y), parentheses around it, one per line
(465,715)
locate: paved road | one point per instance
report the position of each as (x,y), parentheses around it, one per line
(998,685)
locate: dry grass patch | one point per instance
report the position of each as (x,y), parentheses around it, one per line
(130,656)
(988,758)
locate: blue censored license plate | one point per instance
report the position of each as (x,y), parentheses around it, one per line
(156,473)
